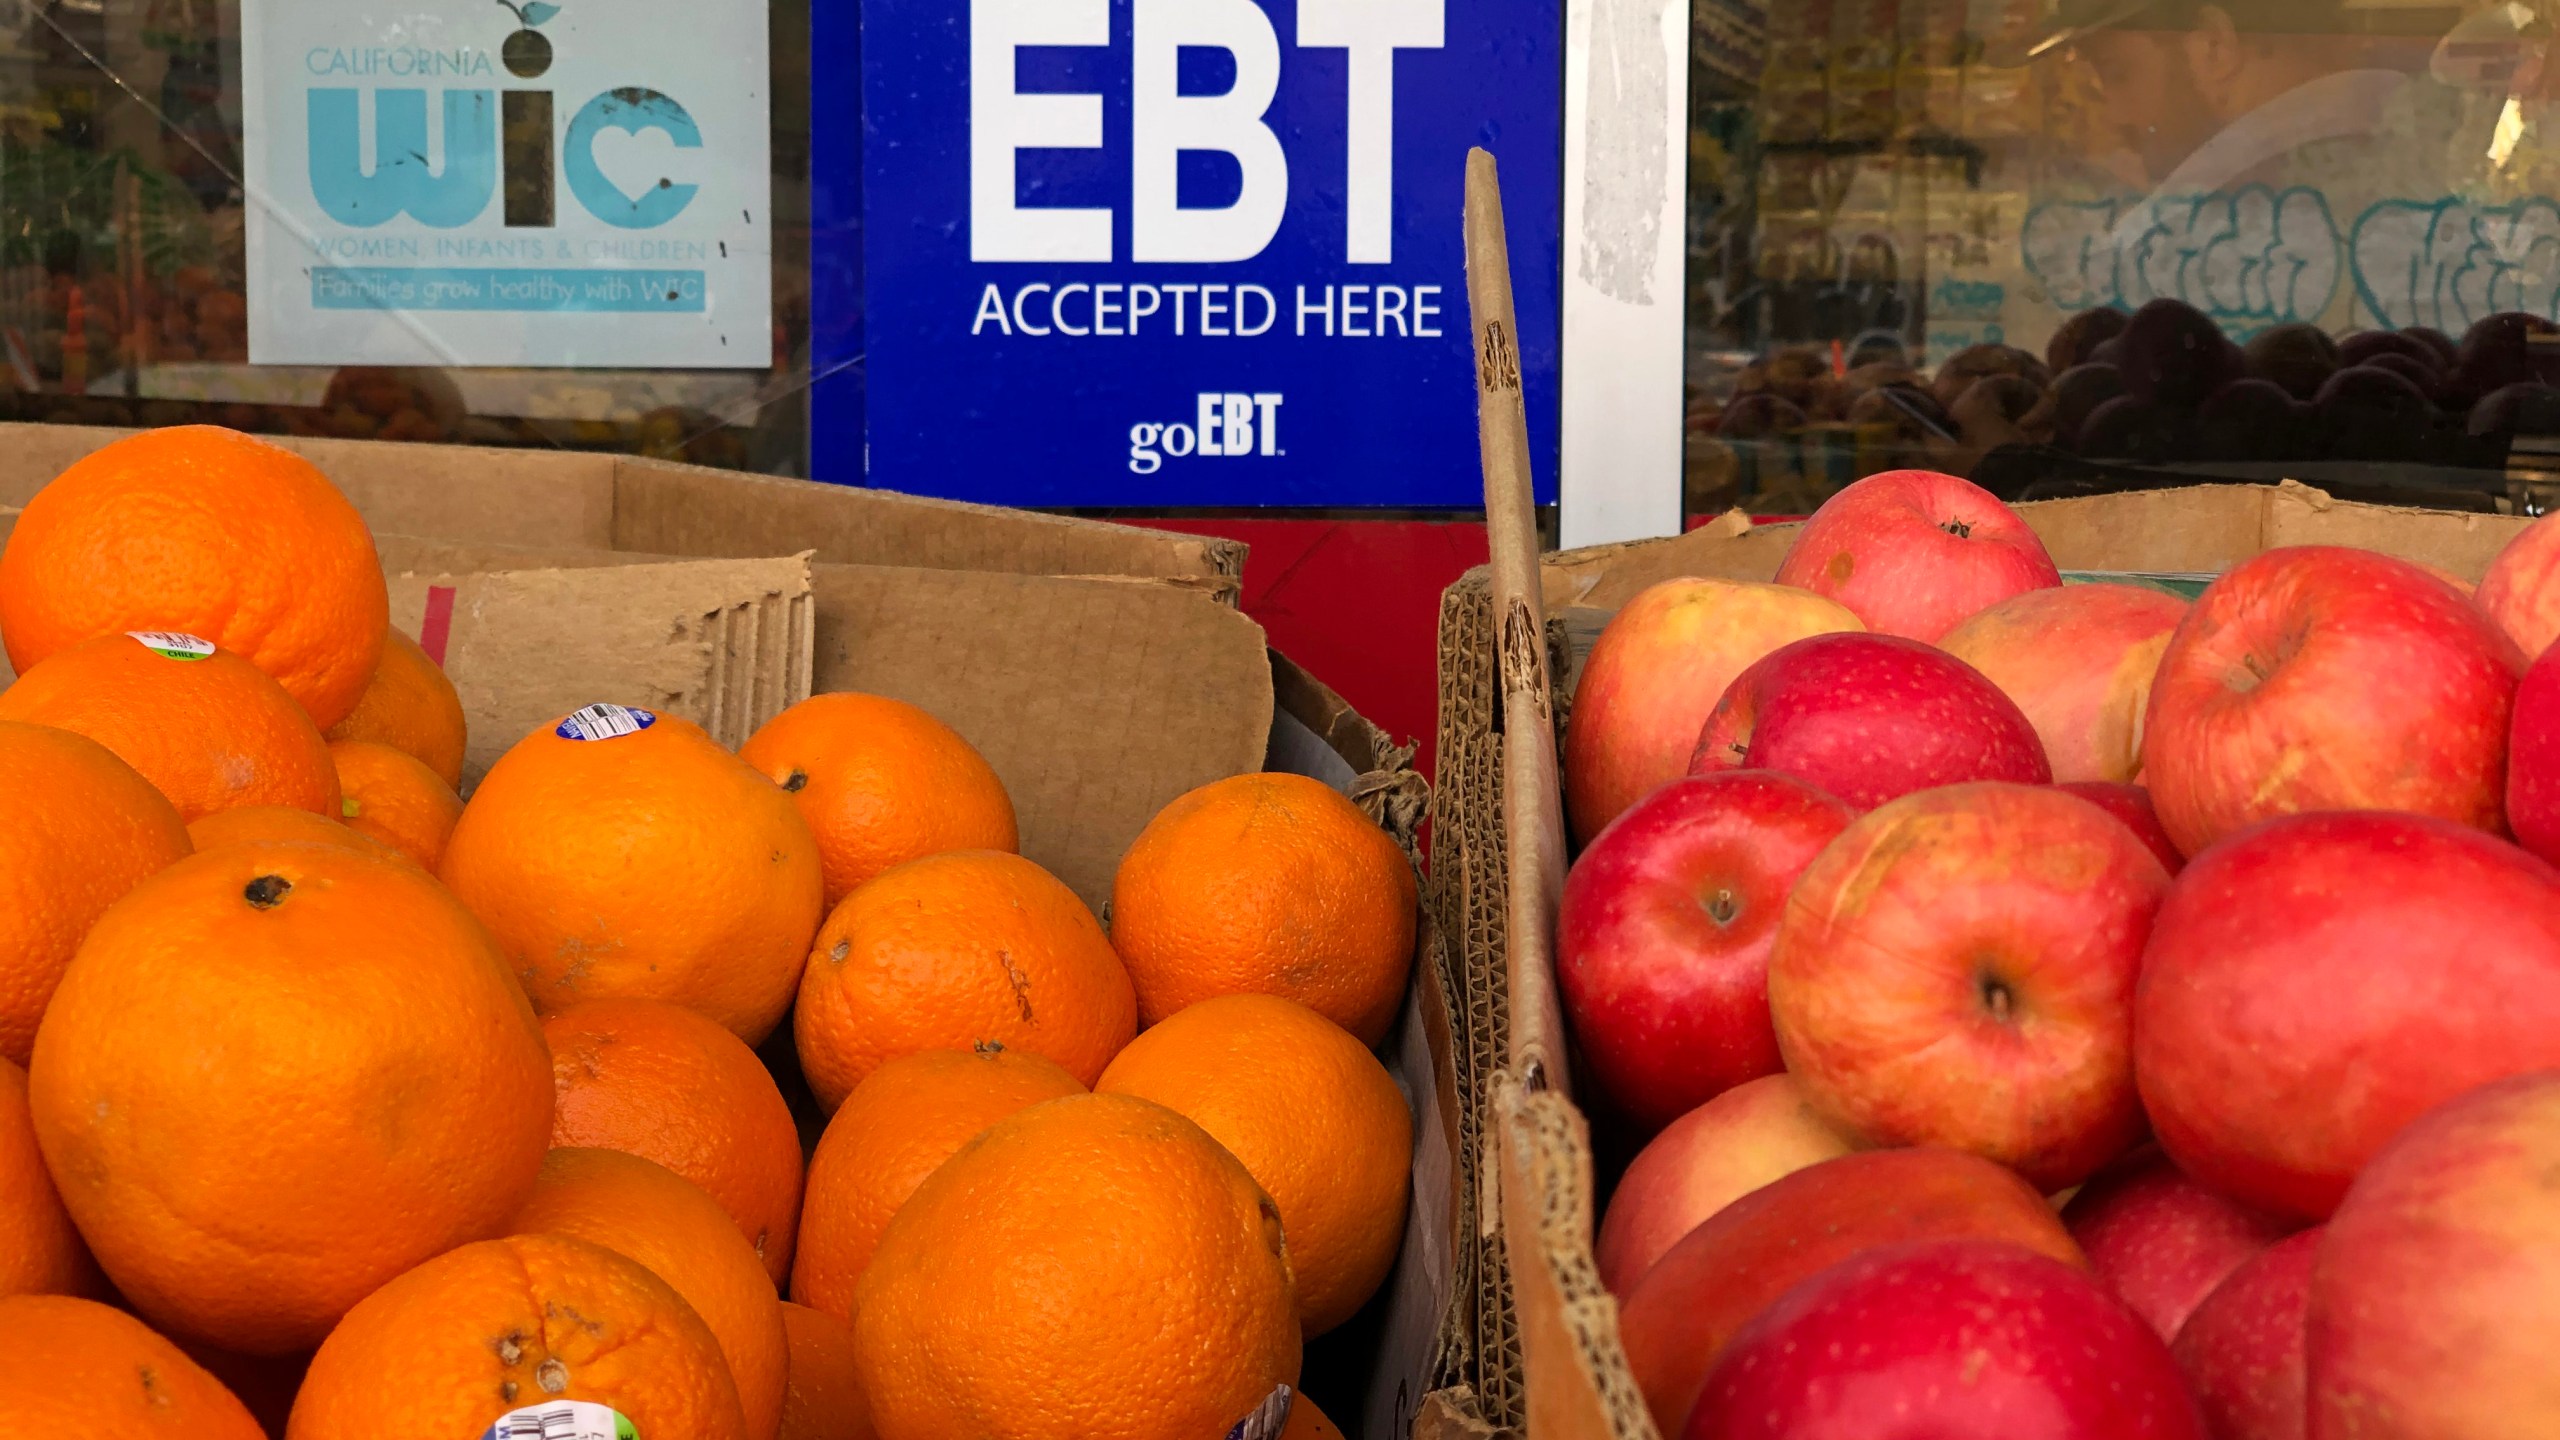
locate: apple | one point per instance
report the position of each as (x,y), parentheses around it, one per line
(1869,718)
(2521,592)
(1704,1289)
(2242,1348)
(2437,1292)
(2132,805)
(1958,969)
(2323,678)
(2533,759)
(1913,552)
(1755,1133)
(2161,1241)
(2078,661)
(2318,982)
(1662,936)
(1943,1338)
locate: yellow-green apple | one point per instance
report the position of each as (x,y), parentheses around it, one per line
(1756,1132)
(1662,936)
(1685,1310)
(2161,1241)
(2318,982)
(1912,552)
(1869,718)
(1655,671)
(2533,759)
(2132,805)
(1939,1338)
(2078,659)
(2322,678)
(1958,969)
(2522,589)
(2436,1296)
(2242,1348)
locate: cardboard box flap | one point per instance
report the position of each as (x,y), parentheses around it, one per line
(1578,1385)
(726,644)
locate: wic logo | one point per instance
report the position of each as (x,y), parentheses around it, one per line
(489,135)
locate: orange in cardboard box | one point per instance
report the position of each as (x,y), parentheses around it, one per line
(76,1367)
(881,783)
(410,705)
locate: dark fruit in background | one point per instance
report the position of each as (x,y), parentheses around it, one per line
(2174,354)
(2421,373)
(1914,413)
(2081,334)
(1757,417)
(2108,352)
(1863,378)
(2300,358)
(2526,409)
(2448,354)
(2496,354)
(1796,374)
(2366,346)
(1877,349)
(1975,362)
(2077,393)
(2249,420)
(527,53)
(2132,428)
(2373,414)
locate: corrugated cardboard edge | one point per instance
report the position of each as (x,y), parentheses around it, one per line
(1575,1369)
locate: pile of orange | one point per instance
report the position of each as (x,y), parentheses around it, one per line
(350,1107)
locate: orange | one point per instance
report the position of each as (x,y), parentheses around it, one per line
(952,950)
(210,730)
(1095,1267)
(1306,1422)
(897,1128)
(881,783)
(82,829)
(75,1367)
(201,529)
(278,1075)
(824,1401)
(650,863)
(1269,884)
(254,824)
(658,1081)
(641,1209)
(531,1320)
(410,706)
(1311,1113)
(392,796)
(40,1254)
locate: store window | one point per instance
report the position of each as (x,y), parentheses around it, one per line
(2098,244)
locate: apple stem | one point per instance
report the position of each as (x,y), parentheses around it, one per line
(1961,529)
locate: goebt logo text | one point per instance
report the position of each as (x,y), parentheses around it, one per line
(492,137)
(1224,425)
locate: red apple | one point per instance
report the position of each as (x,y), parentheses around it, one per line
(1656,670)
(2132,805)
(1747,1137)
(2533,758)
(2437,1293)
(2322,678)
(1662,938)
(2078,660)
(1958,969)
(1704,1289)
(1869,718)
(2318,982)
(2242,1349)
(2161,1241)
(1913,552)
(2522,589)
(1944,1338)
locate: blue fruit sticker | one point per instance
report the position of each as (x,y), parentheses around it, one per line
(604,722)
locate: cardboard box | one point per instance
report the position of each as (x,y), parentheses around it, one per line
(1553,1364)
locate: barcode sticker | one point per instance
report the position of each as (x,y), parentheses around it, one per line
(604,722)
(172,643)
(563,1420)
(1268,1418)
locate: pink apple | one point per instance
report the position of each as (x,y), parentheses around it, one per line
(2161,1241)
(2132,805)
(1869,718)
(2242,1349)
(1946,1338)
(2437,1293)
(2078,659)
(2318,982)
(2522,589)
(2322,678)
(1662,938)
(1756,1132)
(1657,668)
(1913,552)
(1958,969)
(2533,758)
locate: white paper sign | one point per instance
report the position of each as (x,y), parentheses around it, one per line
(509,182)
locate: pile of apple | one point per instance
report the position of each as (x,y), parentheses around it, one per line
(2068,1013)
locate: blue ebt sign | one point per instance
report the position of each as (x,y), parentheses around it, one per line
(1173,253)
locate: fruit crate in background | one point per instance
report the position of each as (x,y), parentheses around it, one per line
(1551,1364)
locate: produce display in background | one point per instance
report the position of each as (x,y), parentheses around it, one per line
(2272,915)
(368,1117)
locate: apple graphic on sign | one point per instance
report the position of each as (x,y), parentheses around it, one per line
(527,52)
